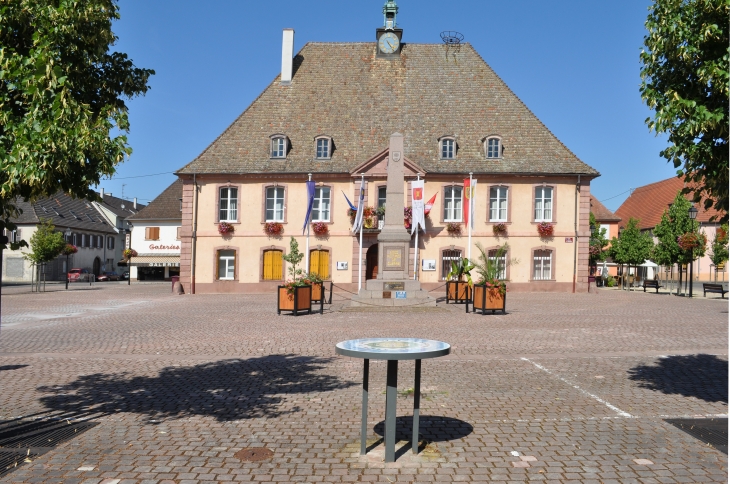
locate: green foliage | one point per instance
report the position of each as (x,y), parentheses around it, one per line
(685,81)
(45,243)
(489,269)
(597,243)
(460,269)
(294,257)
(61,93)
(674,222)
(611,281)
(633,246)
(719,246)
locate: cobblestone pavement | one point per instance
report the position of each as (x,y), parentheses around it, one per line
(563,388)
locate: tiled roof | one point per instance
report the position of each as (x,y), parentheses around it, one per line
(601,213)
(114,205)
(165,207)
(649,202)
(64,211)
(341,90)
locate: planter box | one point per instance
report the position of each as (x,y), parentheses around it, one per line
(458,291)
(300,301)
(318,295)
(488,298)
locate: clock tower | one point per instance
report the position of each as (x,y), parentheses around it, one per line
(388,36)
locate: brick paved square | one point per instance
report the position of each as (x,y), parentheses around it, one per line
(578,386)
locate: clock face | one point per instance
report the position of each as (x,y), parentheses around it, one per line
(388,43)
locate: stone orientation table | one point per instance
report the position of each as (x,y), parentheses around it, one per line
(391,349)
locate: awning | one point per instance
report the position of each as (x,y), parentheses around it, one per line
(156,261)
(648,263)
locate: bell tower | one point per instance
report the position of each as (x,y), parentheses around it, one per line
(389,36)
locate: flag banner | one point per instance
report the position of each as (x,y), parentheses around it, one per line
(417,206)
(472,201)
(429,204)
(470,187)
(310,202)
(360,208)
(352,207)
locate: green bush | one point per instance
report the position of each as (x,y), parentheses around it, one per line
(610,282)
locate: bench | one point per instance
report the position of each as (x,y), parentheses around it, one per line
(652,285)
(714,288)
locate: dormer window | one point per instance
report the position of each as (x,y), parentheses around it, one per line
(278,146)
(493,147)
(447,147)
(323,148)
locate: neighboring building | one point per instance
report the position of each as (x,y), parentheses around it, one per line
(117,210)
(156,236)
(609,222)
(91,232)
(331,113)
(648,203)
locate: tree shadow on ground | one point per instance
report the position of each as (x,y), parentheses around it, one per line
(700,376)
(12,367)
(432,428)
(226,390)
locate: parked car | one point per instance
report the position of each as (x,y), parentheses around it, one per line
(108,276)
(78,275)
(124,276)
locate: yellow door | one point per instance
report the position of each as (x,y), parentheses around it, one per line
(319,262)
(272,265)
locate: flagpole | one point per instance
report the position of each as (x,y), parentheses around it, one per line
(471,215)
(415,251)
(359,277)
(306,257)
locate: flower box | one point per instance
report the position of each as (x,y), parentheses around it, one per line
(499,229)
(273,229)
(458,291)
(489,298)
(300,300)
(545,229)
(224,228)
(453,228)
(320,229)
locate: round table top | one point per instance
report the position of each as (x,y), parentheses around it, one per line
(393,348)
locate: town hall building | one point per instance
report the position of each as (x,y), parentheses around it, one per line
(330,115)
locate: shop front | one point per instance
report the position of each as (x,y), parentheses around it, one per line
(155,268)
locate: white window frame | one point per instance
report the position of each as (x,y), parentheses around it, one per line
(384,189)
(446,268)
(323,148)
(493,148)
(453,205)
(539,257)
(319,200)
(502,195)
(492,256)
(447,149)
(540,204)
(230,212)
(273,211)
(228,264)
(278,147)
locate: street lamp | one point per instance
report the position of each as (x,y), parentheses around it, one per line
(67,233)
(692,216)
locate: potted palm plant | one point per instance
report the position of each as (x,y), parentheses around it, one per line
(296,294)
(490,291)
(458,285)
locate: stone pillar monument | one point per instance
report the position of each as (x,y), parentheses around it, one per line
(393,287)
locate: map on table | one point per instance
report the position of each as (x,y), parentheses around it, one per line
(393,345)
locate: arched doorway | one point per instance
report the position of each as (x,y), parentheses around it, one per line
(371,267)
(97,266)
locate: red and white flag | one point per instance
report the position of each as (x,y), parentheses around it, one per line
(470,189)
(429,204)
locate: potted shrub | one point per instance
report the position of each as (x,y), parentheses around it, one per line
(128,253)
(224,228)
(545,229)
(273,229)
(320,229)
(458,284)
(296,294)
(499,229)
(490,292)
(453,228)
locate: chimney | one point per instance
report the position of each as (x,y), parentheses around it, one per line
(134,203)
(101,194)
(287,56)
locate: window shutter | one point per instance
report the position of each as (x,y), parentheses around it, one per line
(314,261)
(178,233)
(156,233)
(147,233)
(324,264)
(217,264)
(276,264)
(235,263)
(268,269)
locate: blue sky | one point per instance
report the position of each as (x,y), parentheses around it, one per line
(575,64)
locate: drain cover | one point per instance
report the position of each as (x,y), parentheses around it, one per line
(711,431)
(253,454)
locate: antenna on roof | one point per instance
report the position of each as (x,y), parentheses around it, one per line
(452,40)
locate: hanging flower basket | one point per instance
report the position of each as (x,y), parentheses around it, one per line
(368,212)
(407,217)
(129,253)
(69,249)
(453,228)
(545,229)
(499,229)
(320,229)
(224,228)
(691,240)
(273,229)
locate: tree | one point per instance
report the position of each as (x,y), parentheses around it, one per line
(597,243)
(46,244)
(294,257)
(61,93)
(719,254)
(685,81)
(633,246)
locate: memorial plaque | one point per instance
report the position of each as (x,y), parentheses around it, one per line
(394,258)
(386,294)
(394,286)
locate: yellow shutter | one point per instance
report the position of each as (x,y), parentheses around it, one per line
(267,265)
(272,265)
(324,264)
(314,261)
